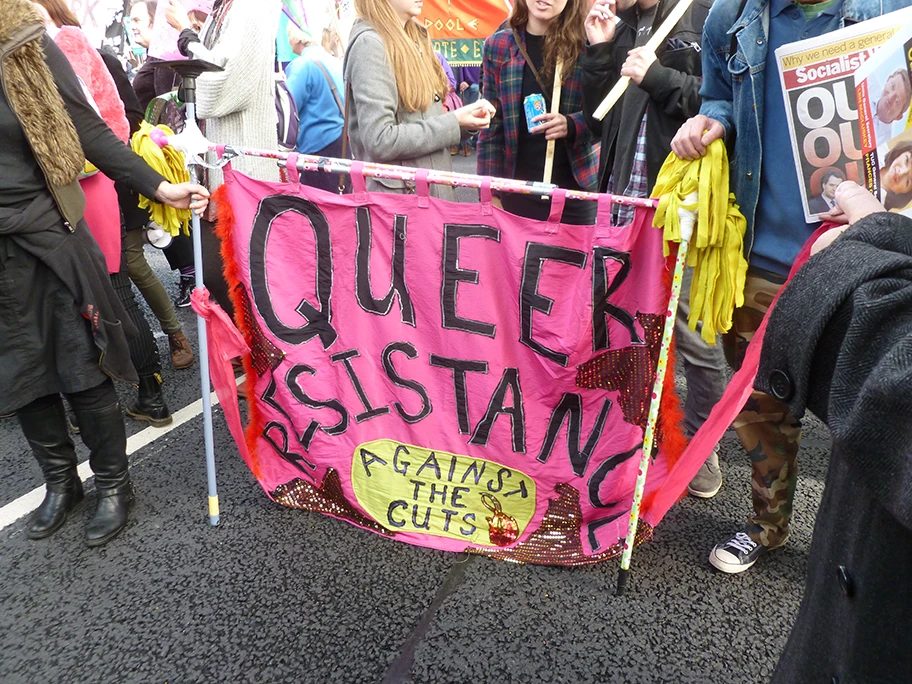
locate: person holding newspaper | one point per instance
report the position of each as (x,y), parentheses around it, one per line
(743,103)
(636,138)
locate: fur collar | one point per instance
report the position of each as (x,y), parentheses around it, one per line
(32,94)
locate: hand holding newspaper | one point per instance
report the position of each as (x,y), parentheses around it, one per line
(818,83)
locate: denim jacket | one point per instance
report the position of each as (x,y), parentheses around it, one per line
(732,89)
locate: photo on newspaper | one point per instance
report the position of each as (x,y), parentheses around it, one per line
(883,87)
(817,77)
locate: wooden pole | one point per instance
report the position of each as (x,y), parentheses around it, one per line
(555,109)
(652,45)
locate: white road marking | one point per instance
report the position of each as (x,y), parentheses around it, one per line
(27,503)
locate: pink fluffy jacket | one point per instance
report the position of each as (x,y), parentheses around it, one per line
(89,66)
(102,214)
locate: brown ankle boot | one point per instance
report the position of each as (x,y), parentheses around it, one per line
(181,353)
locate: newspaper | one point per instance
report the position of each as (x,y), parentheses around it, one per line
(883,87)
(817,77)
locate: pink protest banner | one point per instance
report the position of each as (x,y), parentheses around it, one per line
(444,374)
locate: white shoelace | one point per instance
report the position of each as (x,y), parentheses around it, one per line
(742,542)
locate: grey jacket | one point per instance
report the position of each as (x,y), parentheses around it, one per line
(380,130)
(839,343)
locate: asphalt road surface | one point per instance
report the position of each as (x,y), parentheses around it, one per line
(278,595)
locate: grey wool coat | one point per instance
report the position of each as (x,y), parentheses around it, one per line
(382,131)
(839,343)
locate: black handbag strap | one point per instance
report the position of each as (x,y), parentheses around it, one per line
(345,118)
(332,87)
(522,48)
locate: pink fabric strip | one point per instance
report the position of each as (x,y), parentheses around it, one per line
(558,199)
(359,187)
(724,413)
(421,187)
(485,195)
(291,167)
(225,343)
(603,218)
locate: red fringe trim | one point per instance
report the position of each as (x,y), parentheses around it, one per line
(224,229)
(671,413)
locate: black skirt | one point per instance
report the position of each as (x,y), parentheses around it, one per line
(47,345)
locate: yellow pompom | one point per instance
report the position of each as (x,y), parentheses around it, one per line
(716,246)
(170,164)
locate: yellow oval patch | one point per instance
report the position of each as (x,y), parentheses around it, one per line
(409,488)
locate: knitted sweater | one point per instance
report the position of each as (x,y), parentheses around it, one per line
(237,105)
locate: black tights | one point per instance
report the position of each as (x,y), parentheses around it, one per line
(143,349)
(97,397)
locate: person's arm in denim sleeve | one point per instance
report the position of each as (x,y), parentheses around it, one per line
(716,90)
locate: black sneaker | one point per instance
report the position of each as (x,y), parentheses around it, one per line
(186,287)
(738,553)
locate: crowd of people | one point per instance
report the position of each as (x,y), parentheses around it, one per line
(382,94)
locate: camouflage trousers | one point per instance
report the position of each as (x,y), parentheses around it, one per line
(767,430)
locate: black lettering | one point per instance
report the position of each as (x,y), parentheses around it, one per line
(449,514)
(593,526)
(468,519)
(531,300)
(318,319)
(522,491)
(460,368)
(373,459)
(307,436)
(476,472)
(510,378)
(419,389)
(442,493)
(453,275)
(381,307)
(295,459)
(389,513)
(452,469)
(500,480)
(426,525)
(571,407)
(598,477)
(369,411)
(405,464)
(457,496)
(601,293)
(430,462)
(418,485)
(291,382)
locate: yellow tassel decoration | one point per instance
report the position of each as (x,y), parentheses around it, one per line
(716,246)
(170,164)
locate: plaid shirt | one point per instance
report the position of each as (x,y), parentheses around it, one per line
(638,185)
(502,87)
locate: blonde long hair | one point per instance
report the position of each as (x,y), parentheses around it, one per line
(419,75)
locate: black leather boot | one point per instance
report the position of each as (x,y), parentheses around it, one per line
(150,404)
(46,432)
(104,433)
